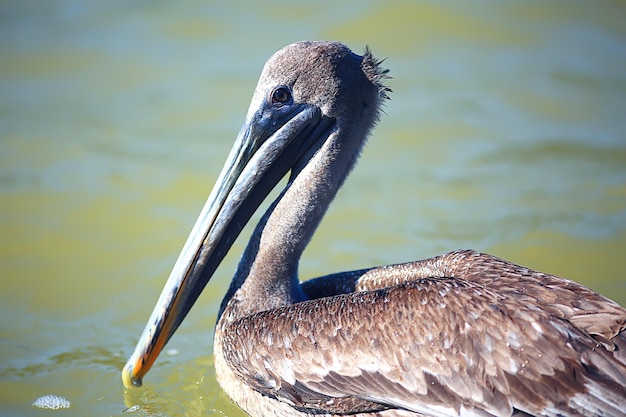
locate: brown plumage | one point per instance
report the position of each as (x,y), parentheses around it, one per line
(463,333)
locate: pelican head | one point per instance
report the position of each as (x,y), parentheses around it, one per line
(311,98)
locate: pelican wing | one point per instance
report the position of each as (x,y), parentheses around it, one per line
(586,309)
(439,346)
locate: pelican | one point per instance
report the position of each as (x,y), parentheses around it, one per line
(463,333)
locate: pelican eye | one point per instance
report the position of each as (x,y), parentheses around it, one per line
(280,95)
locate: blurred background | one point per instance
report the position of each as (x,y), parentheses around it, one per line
(506,133)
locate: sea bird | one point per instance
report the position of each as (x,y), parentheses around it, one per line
(464,333)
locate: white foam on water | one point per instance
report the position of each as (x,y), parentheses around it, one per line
(52,402)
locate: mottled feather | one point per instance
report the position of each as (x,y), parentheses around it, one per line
(430,345)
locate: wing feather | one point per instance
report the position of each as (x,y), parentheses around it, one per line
(446,345)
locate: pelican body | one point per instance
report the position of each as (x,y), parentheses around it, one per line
(464,333)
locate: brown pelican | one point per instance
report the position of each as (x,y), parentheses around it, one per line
(463,333)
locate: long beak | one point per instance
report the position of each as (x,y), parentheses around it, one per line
(265,150)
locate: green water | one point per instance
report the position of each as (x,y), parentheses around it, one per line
(506,133)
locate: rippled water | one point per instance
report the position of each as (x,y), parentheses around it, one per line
(505,133)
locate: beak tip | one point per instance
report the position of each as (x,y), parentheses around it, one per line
(130,380)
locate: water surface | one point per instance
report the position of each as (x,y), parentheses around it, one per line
(505,133)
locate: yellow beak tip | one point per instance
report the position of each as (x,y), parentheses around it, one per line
(128,379)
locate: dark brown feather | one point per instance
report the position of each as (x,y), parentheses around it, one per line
(468,340)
